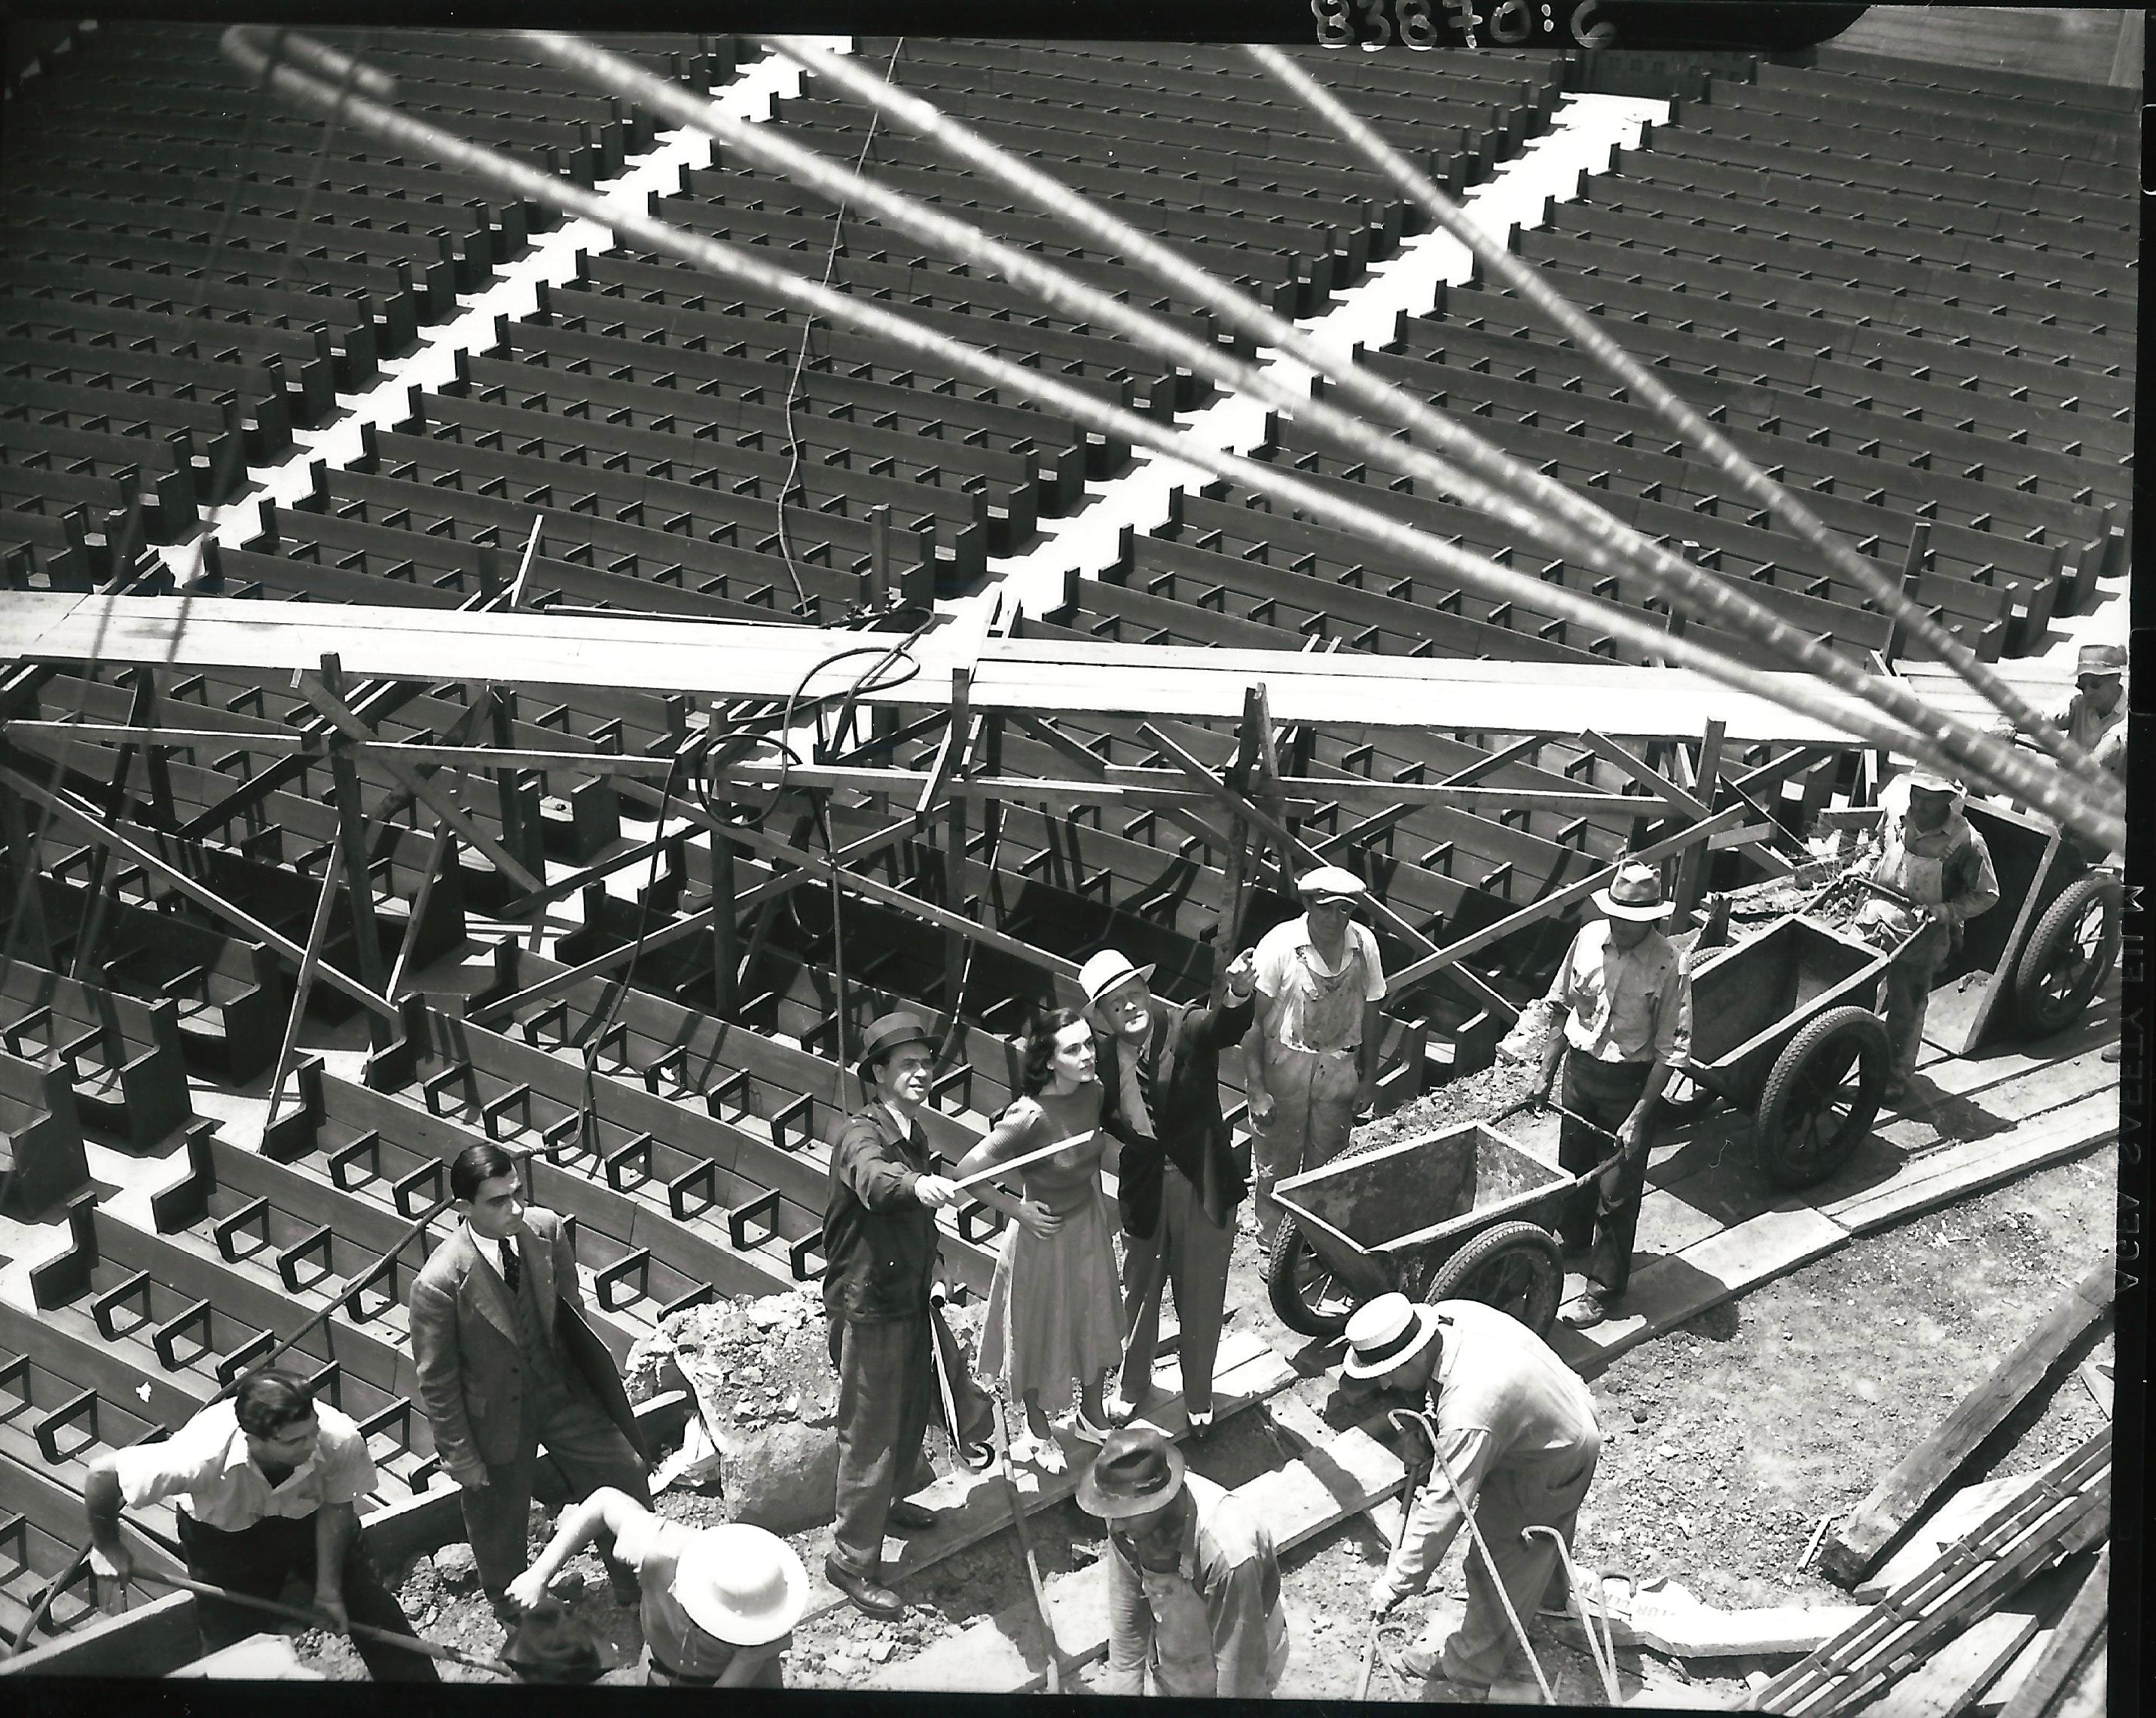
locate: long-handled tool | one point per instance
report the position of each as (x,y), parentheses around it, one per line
(1402,1418)
(359,1631)
(1603,1651)
(1483,1546)
(1032,1563)
(1033,1156)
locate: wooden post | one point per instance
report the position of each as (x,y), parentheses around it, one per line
(1691,868)
(954,884)
(725,931)
(879,586)
(144,714)
(351,848)
(501,712)
(315,933)
(442,852)
(992,816)
(1912,572)
(26,918)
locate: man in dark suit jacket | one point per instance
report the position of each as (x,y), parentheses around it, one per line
(1176,1176)
(505,1361)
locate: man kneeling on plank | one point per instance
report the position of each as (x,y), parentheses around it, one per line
(719,1604)
(271,1479)
(1194,1582)
(1516,1431)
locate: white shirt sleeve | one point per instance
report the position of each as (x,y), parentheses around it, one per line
(151,1473)
(1273,950)
(1375,991)
(343,1460)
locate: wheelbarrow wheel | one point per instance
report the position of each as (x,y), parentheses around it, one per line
(2068,957)
(1513,1267)
(1308,1295)
(1820,1096)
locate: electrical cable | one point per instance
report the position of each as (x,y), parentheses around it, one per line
(801,358)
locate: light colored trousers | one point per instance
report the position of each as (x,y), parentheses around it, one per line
(1313,1093)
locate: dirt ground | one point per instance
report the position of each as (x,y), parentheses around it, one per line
(1726,1442)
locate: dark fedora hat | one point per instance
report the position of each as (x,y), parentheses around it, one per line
(1138,1470)
(890,1032)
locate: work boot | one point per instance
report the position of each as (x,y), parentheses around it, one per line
(628,1590)
(1590,1310)
(865,1591)
(1420,1672)
(910,1517)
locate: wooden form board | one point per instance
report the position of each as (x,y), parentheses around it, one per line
(1950,1681)
(970,1507)
(1856,1545)
(1003,1653)
(737,659)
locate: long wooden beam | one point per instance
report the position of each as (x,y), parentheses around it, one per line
(227,739)
(747,659)
(62,806)
(1554,904)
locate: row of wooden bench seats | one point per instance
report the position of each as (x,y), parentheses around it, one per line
(2010,574)
(1956,83)
(1796,365)
(739,324)
(53,407)
(122,1056)
(40,1135)
(2081,332)
(1969,138)
(1491,117)
(1487,368)
(1782,235)
(2088,368)
(1056,451)
(230,997)
(2036,225)
(1362,227)
(394,522)
(1945,236)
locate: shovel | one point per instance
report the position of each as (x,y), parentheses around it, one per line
(359,1631)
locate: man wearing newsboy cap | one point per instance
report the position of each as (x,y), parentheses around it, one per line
(1193,1581)
(1176,1178)
(1625,999)
(879,1242)
(1517,1430)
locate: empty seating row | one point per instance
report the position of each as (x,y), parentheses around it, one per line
(122,1057)
(40,1136)
(1989,84)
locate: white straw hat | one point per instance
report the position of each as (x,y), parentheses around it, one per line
(1635,893)
(1385,1334)
(1107,969)
(741,1584)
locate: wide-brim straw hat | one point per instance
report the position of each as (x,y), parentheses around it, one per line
(1105,971)
(1137,1471)
(1635,893)
(1385,1334)
(2099,659)
(741,1584)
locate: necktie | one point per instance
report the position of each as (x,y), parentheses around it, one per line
(1145,1083)
(512,1267)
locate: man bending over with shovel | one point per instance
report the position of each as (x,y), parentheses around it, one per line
(271,1479)
(1515,1441)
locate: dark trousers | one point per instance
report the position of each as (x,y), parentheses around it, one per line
(1602,1224)
(257,1561)
(887,1390)
(1188,1251)
(583,1442)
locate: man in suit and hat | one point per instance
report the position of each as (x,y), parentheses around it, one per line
(719,1604)
(1193,1581)
(1929,855)
(1516,1430)
(880,1243)
(1625,996)
(1176,1178)
(1316,1050)
(506,1362)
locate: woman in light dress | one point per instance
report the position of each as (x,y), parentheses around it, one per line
(1051,1314)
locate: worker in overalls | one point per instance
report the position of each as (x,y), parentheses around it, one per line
(1931,856)
(2094,718)
(1315,1055)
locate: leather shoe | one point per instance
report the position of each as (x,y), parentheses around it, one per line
(909,1516)
(1417,1669)
(1585,1313)
(867,1593)
(1201,1421)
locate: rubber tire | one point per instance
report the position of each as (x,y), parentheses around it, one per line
(1288,1307)
(1536,1246)
(2038,1013)
(1786,1080)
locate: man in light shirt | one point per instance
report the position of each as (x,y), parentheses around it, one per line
(1516,1431)
(1193,1581)
(271,1481)
(1626,998)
